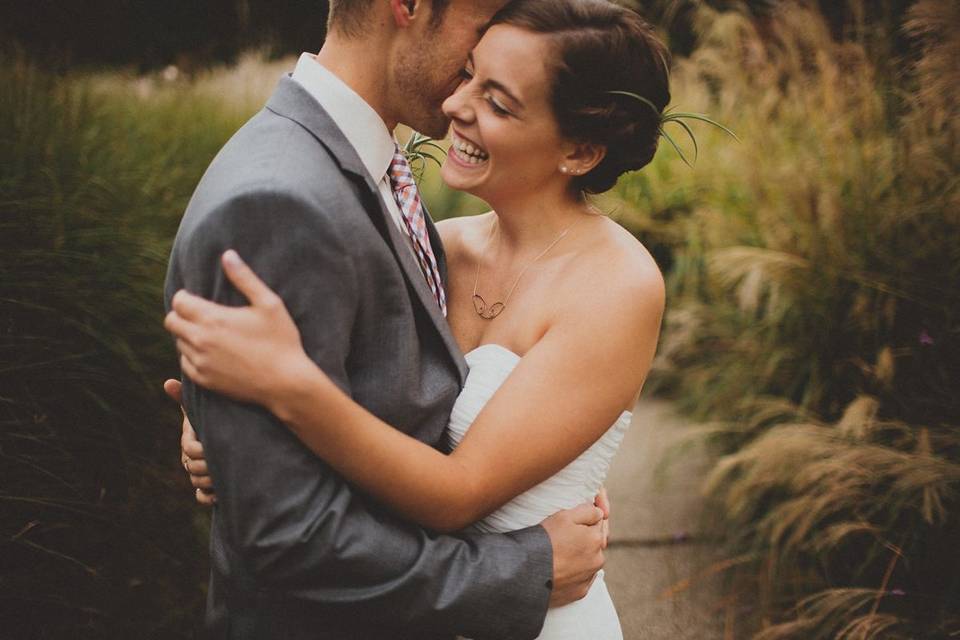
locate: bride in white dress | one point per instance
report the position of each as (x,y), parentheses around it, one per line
(556,308)
(594,616)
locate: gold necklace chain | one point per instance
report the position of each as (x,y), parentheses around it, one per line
(491,312)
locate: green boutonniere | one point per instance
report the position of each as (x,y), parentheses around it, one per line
(419,149)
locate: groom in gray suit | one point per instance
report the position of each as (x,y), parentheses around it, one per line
(304,193)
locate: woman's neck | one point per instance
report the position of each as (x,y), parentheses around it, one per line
(526,224)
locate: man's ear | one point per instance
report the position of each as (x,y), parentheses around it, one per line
(404,11)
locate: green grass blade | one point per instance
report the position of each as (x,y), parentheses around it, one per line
(693,138)
(630,94)
(676,147)
(703,118)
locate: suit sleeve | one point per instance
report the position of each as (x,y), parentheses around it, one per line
(296,527)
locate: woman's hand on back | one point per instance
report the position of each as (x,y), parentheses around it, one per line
(191,451)
(252,353)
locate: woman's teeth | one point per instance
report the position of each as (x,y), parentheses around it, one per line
(468,153)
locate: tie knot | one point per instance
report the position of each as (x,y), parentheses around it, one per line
(400,173)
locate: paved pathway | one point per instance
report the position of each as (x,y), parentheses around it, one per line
(651,509)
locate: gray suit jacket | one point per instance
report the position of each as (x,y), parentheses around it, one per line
(296,552)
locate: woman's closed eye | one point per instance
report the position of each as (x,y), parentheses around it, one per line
(466,76)
(497,108)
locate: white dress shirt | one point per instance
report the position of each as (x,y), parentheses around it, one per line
(362,126)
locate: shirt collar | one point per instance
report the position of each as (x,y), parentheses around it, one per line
(360,123)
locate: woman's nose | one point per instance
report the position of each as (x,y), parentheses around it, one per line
(457,106)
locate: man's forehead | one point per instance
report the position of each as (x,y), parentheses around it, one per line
(485,7)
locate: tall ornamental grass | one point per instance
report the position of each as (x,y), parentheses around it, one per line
(100,538)
(814,316)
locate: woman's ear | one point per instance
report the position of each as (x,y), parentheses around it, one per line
(404,11)
(581,158)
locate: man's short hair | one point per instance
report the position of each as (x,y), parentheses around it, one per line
(348,17)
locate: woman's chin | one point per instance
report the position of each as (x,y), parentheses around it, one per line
(457,179)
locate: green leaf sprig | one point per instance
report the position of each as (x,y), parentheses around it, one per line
(419,149)
(678,117)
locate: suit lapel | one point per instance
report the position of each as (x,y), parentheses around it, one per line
(400,245)
(293,101)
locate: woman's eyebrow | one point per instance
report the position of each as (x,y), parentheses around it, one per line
(495,84)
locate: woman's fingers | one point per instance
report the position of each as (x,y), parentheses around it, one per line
(246,281)
(224,348)
(174,389)
(196,467)
(191,451)
(192,354)
(179,327)
(187,430)
(189,370)
(194,308)
(201,482)
(190,446)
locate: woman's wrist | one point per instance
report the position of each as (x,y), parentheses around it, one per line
(302,380)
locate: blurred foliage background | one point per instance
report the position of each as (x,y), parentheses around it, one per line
(813,323)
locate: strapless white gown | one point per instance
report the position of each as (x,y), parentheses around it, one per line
(593,617)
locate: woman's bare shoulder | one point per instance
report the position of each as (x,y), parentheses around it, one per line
(460,235)
(631,279)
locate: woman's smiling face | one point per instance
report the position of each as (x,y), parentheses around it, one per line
(505,138)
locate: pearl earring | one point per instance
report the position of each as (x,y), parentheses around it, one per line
(563,170)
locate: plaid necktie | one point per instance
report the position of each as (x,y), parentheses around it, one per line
(408,197)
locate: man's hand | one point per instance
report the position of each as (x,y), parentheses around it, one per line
(603,502)
(578,540)
(191,451)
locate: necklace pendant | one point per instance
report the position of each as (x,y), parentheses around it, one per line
(487,313)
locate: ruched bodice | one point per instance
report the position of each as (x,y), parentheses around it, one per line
(578,482)
(593,617)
